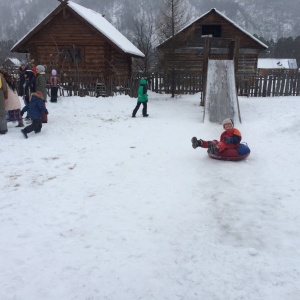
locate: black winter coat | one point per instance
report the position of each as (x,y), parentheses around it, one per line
(21,81)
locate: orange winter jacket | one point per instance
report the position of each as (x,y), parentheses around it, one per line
(231,136)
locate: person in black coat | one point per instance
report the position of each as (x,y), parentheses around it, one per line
(35,107)
(22,70)
(29,87)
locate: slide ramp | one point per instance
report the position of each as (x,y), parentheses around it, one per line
(221,99)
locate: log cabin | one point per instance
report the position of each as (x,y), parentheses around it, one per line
(78,41)
(211,36)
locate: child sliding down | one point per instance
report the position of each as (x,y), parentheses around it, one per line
(230,139)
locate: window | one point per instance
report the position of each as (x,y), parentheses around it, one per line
(211,30)
(71,55)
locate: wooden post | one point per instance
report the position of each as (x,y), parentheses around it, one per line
(204,69)
(264,85)
(298,85)
(269,85)
(236,54)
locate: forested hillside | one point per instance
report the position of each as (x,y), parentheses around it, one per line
(276,23)
(269,19)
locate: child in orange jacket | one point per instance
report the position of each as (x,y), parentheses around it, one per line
(230,139)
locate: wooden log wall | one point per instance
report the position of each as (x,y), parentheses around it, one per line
(232,43)
(66,32)
(193,60)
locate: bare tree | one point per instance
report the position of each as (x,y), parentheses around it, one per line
(172,18)
(144,39)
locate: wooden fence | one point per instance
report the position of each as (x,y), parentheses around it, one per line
(157,82)
(85,85)
(96,87)
(251,86)
(183,84)
(255,86)
(269,85)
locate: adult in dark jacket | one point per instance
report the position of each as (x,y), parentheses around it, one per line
(142,98)
(41,85)
(35,107)
(29,87)
(3,96)
(41,81)
(22,70)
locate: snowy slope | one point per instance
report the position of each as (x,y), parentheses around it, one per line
(103,206)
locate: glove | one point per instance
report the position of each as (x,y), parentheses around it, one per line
(228,141)
(46,112)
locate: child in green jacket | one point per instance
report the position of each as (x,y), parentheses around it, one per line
(142,98)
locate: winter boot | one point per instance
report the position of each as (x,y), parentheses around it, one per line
(213,148)
(24,133)
(196,143)
(21,124)
(146,115)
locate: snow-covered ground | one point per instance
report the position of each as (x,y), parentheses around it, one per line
(103,206)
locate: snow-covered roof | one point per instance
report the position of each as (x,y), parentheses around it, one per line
(106,28)
(277,63)
(15,61)
(99,23)
(229,20)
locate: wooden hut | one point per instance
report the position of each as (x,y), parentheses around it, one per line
(12,63)
(12,66)
(80,42)
(212,36)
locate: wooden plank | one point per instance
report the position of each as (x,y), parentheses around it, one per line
(260,87)
(255,87)
(298,85)
(282,84)
(274,85)
(286,86)
(265,85)
(278,80)
(270,81)
(293,86)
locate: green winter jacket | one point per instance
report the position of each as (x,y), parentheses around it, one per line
(142,91)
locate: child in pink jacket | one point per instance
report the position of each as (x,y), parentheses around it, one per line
(54,82)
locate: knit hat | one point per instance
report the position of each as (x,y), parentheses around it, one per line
(40,68)
(54,72)
(24,63)
(227,121)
